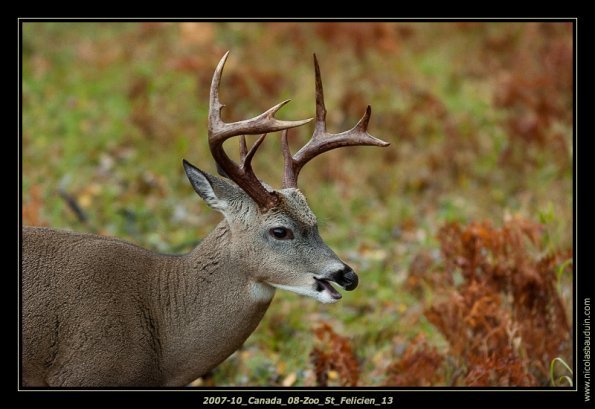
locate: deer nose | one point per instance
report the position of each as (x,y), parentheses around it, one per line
(346,278)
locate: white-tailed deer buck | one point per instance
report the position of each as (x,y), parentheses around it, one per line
(98,311)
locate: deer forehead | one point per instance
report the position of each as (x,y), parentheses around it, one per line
(293,205)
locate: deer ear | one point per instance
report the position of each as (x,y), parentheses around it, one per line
(215,191)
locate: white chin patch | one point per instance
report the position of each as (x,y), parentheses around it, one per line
(262,292)
(322,296)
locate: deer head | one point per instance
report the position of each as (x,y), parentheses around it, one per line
(274,234)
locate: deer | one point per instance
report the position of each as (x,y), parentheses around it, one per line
(98,311)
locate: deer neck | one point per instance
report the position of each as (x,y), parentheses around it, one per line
(208,306)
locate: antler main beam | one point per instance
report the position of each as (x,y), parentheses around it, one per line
(321,140)
(220,131)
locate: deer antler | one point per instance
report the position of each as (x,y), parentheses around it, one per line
(321,140)
(220,131)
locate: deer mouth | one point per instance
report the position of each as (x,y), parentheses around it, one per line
(325,285)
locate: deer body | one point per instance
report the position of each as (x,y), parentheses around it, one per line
(98,311)
(108,313)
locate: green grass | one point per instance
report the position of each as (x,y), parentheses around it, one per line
(110,110)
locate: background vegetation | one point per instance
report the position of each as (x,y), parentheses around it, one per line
(461,230)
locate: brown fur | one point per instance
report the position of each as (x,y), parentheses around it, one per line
(103,312)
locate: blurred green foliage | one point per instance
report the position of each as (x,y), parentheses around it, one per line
(479,116)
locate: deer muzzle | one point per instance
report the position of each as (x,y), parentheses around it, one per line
(346,278)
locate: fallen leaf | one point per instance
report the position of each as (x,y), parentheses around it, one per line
(289,379)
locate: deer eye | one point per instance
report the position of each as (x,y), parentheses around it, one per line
(281,233)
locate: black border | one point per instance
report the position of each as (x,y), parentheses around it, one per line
(519,395)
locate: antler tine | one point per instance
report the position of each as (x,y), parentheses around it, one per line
(289,178)
(246,157)
(320,107)
(321,140)
(220,131)
(243,148)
